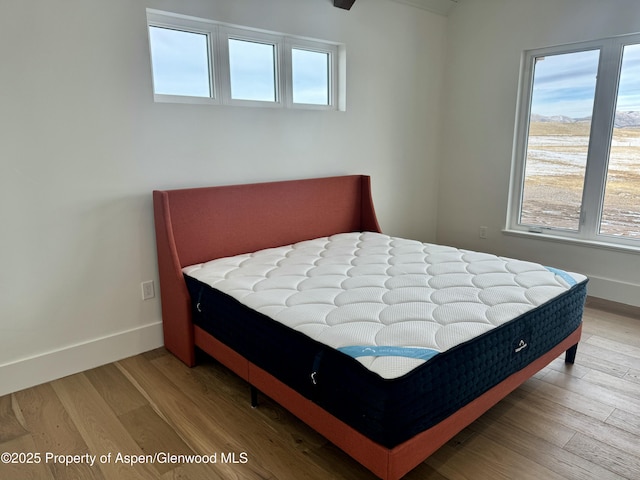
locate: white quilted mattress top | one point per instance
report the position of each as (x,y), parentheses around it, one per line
(389,302)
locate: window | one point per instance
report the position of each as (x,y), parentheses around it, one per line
(175,73)
(576,170)
(310,74)
(252,72)
(621,207)
(200,61)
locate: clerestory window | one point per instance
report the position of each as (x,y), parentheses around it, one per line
(200,61)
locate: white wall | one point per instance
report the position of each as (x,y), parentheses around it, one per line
(486,40)
(82,145)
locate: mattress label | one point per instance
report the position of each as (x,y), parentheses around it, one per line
(356,351)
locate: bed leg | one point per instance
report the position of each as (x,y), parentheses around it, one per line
(570,356)
(254,397)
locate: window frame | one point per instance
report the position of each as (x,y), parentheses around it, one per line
(185,24)
(233,33)
(332,81)
(218,35)
(600,139)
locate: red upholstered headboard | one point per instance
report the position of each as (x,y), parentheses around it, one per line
(201,224)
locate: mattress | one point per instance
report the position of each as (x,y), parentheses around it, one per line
(389,335)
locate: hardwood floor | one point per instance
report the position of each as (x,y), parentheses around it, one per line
(568,422)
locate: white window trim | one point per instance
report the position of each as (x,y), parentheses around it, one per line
(227,33)
(598,153)
(180,22)
(333,52)
(218,34)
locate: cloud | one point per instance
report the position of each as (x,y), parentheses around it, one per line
(180,62)
(565,84)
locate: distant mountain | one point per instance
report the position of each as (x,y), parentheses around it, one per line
(627,119)
(623,119)
(553,118)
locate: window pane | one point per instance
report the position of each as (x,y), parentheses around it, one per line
(621,209)
(558,139)
(252,70)
(310,71)
(180,62)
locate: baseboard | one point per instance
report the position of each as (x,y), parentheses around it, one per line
(27,372)
(613,307)
(614,290)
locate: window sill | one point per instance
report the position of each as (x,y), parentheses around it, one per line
(575,241)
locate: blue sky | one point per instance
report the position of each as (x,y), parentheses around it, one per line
(565,84)
(629,94)
(180,62)
(252,70)
(181,67)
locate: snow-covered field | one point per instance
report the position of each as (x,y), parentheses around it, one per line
(555,175)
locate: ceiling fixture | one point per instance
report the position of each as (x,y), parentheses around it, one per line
(346,4)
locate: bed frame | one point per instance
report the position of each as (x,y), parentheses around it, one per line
(201,224)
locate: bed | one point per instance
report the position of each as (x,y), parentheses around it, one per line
(386,346)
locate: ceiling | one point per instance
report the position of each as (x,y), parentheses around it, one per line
(441,7)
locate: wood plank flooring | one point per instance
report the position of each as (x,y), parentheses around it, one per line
(134,418)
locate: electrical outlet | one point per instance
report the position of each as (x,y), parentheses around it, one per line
(482,233)
(148,290)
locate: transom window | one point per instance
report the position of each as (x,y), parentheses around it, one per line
(576,170)
(201,61)
(175,73)
(310,74)
(252,72)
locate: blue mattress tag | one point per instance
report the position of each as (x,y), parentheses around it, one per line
(356,351)
(567,278)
